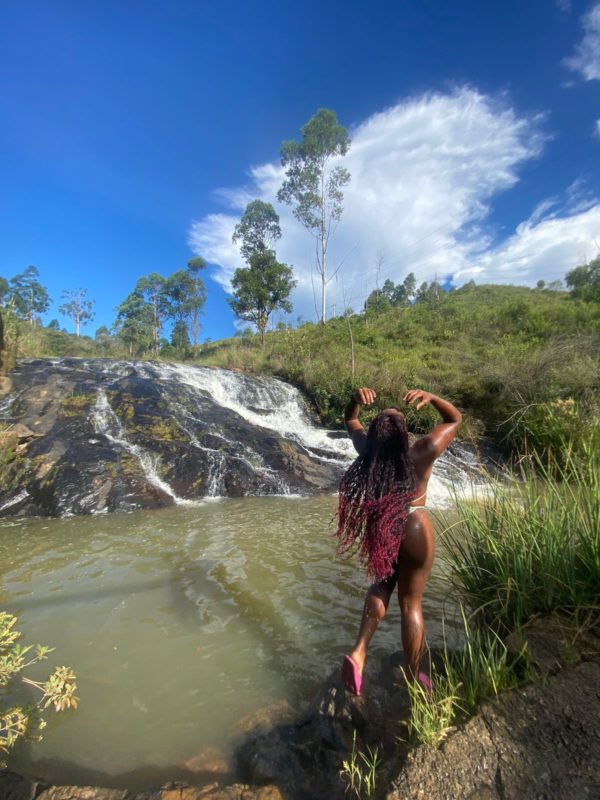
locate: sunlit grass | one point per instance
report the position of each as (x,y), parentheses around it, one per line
(532,549)
(483,667)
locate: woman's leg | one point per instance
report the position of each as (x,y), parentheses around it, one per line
(414,566)
(376,604)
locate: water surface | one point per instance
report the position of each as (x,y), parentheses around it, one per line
(179,622)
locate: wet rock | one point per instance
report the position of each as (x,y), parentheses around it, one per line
(209,761)
(98,436)
(304,756)
(213,791)
(15,787)
(81,793)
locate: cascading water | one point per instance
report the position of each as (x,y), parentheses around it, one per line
(106,422)
(188,432)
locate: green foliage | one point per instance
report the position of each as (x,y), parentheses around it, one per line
(359,772)
(584,281)
(26,295)
(261,289)
(533,548)
(16,720)
(555,431)
(185,297)
(257,230)
(481,668)
(180,339)
(77,307)
(135,324)
(432,713)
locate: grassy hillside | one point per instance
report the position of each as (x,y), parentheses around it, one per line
(499,352)
(522,363)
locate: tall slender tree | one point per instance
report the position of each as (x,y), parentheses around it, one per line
(27,295)
(77,307)
(186,295)
(314,182)
(151,289)
(196,298)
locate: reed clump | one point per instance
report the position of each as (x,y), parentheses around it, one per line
(529,548)
(532,547)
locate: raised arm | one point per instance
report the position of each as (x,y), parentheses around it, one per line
(440,437)
(361,397)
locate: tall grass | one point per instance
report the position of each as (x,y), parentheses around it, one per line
(482,668)
(533,548)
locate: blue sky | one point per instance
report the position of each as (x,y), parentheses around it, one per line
(133,134)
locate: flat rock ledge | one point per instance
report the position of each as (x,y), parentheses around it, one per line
(538,743)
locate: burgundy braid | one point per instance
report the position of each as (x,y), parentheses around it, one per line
(374,497)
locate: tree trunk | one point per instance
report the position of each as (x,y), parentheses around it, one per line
(195,331)
(351,344)
(323,249)
(1,342)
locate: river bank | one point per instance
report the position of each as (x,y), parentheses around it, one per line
(540,740)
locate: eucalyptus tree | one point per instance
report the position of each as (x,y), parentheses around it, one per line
(257,230)
(261,288)
(27,296)
(314,182)
(134,324)
(185,294)
(152,292)
(77,307)
(180,338)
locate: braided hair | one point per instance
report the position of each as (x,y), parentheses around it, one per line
(374,496)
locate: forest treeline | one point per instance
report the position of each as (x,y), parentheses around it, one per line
(524,364)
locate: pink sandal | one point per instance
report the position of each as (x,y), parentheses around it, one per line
(425,681)
(351,676)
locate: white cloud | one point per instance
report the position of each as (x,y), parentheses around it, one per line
(545,249)
(597,129)
(424,174)
(586,59)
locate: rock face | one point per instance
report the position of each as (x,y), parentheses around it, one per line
(91,436)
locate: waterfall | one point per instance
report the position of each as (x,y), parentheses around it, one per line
(196,432)
(106,422)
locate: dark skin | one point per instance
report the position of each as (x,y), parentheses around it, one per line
(415,557)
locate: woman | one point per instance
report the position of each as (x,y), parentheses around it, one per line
(382,513)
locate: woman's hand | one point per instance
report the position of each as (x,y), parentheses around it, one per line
(418,396)
(364,396)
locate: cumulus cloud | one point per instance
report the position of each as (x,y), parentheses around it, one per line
(597,129)
(424,175)
(586,59)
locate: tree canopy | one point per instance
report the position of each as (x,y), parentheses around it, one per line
(260,289)
(77,307)
(258,229)
(584,281)
(27,296)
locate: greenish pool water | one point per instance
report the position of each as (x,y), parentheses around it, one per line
(181,621)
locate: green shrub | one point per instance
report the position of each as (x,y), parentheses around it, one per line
(19,721)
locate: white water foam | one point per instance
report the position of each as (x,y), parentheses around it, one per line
(106,422)
(267,403)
